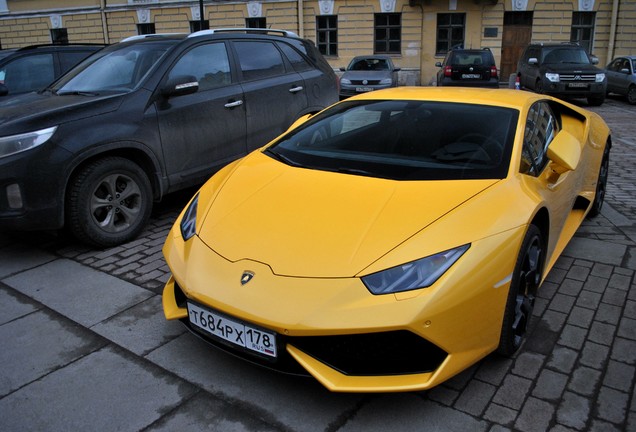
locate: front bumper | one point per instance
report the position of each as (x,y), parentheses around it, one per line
(565,89)
(336,331)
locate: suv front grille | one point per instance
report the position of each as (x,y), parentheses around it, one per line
(578,77)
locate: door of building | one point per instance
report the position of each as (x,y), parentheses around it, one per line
(517,34)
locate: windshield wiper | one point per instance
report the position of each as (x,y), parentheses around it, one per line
(76,93)
(284,159)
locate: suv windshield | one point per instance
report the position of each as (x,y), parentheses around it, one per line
(118,69)
(565,55)
(404,140)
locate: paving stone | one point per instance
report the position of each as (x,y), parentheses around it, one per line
(500,414)
(619,376)
(444,395)
(528,364)
(627,328)
(595,250)
(601,426)
(584,380)
(494,370)
(562,303)
(602,333)
(556,275)
(574,411)
(577,272)
(572,337)
(535,416)
(550,385)
(624,351)
(563,359)
(513,392)
(602,270)
(581,317)
(630,309)
(612,405)
(594,355)
(475,397)
(614,297)
(596,284)
(588,299)
(14,305)
(607,313)
(621,281)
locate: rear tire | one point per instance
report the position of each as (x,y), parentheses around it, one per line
(631,95)
(526,279)
(108,202)
(601,184)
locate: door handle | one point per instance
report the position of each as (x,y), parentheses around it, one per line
(295,89)
(233,104)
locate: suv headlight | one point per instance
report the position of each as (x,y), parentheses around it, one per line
(345,81)
(13,144)
(386,81)
(417,274)
(552,77)
(600,77)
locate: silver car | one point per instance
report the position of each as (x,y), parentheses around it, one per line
(368,73)
(621,77)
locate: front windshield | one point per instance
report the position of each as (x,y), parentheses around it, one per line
(565,55)
(404,140)
(115,69)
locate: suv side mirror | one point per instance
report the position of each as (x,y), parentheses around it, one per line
(533,61)
(180,86)
(594,60)
(438,64)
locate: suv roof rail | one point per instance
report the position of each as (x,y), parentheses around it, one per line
(150,36)
(70,45)
(285,33)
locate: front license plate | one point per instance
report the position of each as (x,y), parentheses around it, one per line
(233,331)
(471,76)
(577,85)
(364,89)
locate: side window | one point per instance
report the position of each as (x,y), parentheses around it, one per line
(70,59)
(30,73)
(541,128)
(208,63)
(298,62)
(259,60)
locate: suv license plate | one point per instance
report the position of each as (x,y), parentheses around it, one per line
(233,331)
(471,76)
(364,89)
(577,85)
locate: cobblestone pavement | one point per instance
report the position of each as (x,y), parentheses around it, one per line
(576,372)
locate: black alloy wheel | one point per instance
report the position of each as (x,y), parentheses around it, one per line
(601,184)
(108,202)
(526,279)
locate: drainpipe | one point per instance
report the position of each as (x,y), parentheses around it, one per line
(612,36)
(301,20)
(102,8)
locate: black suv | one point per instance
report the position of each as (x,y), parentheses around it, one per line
(468,68)
(145,117)
(562,70)
(34,67)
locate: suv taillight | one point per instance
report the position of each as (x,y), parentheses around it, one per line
(493,71)
(447,71)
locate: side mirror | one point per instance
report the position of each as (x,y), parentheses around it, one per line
(342,69)
(594,60)
(565,151)
(4,90)
(397,69)
(438,64)
(180,85)
(533,61)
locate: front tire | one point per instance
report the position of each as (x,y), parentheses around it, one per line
(526,279)
(601,184)
(631,95)
(108,202)
(596,100)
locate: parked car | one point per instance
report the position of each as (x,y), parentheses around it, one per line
(34,67)
(468,68)
(368,73)
(146,117)
(621,77)
(562,70)
(392,240)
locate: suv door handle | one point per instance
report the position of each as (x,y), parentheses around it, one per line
(295,89)
(233,104)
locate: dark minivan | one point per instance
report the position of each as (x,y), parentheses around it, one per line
(147,116)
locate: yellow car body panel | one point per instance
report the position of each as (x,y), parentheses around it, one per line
(309,237)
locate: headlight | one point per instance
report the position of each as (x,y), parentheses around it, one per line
(189,222)
(386,81)
(18,143)
(552,77)
(600,77)
(345,81)
(416,274)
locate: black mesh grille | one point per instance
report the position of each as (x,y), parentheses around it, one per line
(387,353)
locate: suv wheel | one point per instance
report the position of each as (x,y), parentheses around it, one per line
(109,202)
(596,100)
(538,86)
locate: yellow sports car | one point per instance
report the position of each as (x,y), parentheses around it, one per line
(392,240)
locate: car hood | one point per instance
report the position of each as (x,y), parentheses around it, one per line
(571,68)
(309,223)
(33,111)
(367,75)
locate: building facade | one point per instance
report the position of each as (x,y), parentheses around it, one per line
(416,33)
